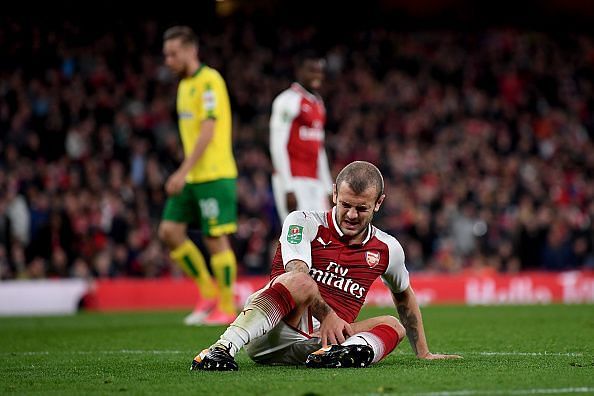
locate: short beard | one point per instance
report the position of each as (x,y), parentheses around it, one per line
(362,229)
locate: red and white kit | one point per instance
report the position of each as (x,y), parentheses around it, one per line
(297,150)
(344,273)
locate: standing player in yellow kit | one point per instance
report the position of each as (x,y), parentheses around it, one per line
(203,189)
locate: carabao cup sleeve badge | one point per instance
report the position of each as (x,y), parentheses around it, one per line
(295,234)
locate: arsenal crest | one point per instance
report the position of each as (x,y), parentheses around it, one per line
(372,258)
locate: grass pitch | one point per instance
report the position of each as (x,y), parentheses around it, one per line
(507,350)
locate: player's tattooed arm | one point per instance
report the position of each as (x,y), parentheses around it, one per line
(410,316)
(333,329)
(319,309)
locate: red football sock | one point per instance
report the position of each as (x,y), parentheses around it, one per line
(382,339)
(259,316)
(275,302)
(388,336)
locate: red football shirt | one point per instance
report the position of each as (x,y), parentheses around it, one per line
(344,273)
(297,135)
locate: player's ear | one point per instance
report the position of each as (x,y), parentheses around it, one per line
(334,193)
(379,202)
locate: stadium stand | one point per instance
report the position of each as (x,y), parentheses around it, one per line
(485,136)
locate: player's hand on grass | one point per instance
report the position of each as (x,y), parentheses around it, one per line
(334,330)
(436,356)
(175,183)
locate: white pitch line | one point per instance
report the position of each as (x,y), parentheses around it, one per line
(541,391)
(168,352)
(523,353)
(501,353)
(119,352)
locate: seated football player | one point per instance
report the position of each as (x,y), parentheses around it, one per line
(321,273)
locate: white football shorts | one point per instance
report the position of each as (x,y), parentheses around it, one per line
(284,344)
(311,195)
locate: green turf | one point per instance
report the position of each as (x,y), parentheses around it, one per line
(507,350)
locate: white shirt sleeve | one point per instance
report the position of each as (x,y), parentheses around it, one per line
(396,276)
(299,230)
(285,108)
(324,170)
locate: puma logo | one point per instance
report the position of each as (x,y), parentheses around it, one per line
(323,243)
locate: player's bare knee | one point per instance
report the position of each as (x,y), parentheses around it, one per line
(217,244)
(301,286)
(163,232)
(168,234)
(304,285)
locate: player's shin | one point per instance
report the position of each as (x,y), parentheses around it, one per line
(189,258)
(383,339)
(259,316)
(224,267)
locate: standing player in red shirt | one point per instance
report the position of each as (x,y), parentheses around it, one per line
(301,178)
(324,266)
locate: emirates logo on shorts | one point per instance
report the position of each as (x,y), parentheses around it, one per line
(372,258)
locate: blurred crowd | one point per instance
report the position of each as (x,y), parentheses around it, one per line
(485,139)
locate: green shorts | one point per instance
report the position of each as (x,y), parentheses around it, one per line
(212,204)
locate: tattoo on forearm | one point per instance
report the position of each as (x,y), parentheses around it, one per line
(319,309)
(296,265)
(410,322)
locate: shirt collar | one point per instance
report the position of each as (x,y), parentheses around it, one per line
(202,65)
(298,87)
(334,224)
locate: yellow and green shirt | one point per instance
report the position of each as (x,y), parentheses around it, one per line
(200,97)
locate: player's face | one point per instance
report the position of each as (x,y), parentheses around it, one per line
(178,56)
(312,74)
(354,212)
